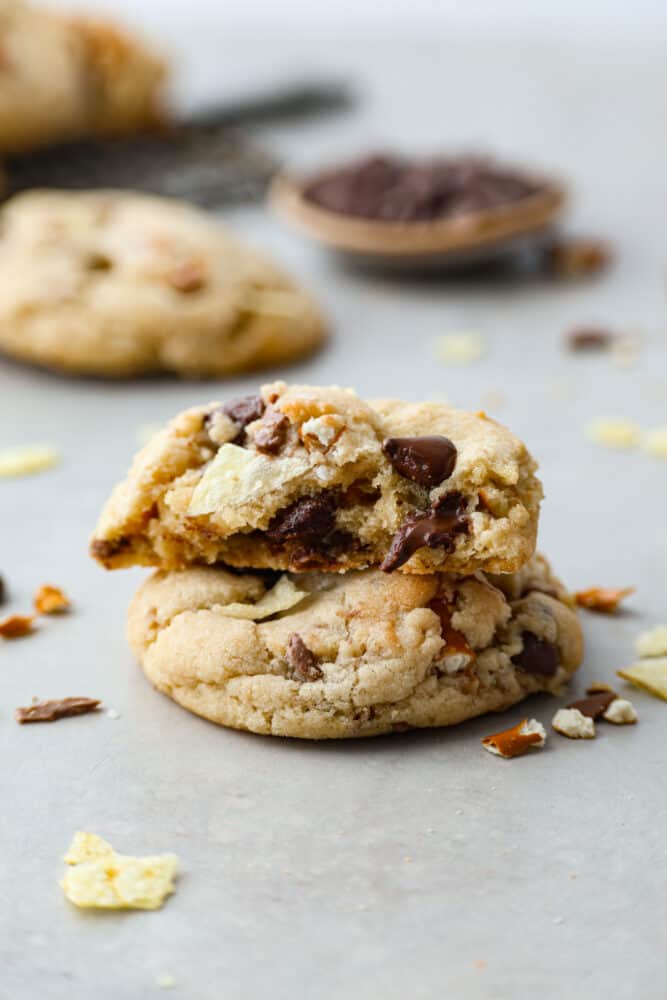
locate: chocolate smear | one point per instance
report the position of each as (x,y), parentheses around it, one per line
(435,528)
(538,656)
(427,461)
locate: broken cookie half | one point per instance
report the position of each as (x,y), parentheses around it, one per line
(304,479)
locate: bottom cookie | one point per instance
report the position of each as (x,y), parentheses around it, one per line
(357,654)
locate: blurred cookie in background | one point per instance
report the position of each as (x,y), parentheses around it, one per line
(115,283)
(63,77)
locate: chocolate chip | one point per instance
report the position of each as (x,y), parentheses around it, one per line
(537,656)
(302,661)
(244,409)
(51,711)
(435,528)
(270,437)
(425,460)
(594,704)
(390,188)
(589,339)
(102,549)
(305,518)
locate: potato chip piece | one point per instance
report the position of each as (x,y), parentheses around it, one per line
(650,675)
(24,461)
(87,847)
(653,642)
(236,476)
(611,432)
(283,596)
(655,442)
(100,878)
(459,348)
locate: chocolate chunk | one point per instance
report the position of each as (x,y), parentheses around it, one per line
(390,188)
(305,518)
(50,711)
(589,338)
(594,704)
(425,460)
(435,528)
(270,437)
(303,662)
(244,409)
(537,656)
(103,549)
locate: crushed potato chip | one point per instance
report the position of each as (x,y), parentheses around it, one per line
(49,600)
(655,442)
(16,626)
(604,599)
(87,847)
(649,674)
(98,877)
(459,348)
(236,476)
(24,461)
(283,596)
(653,642)
(614,433)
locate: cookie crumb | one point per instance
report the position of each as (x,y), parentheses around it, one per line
(603,599)
(589,338)
(111,713)
(574,724)
(16,626)
(27,460)
(612,432)
(655,442)
(621,712)
(577,257)
(517,740)
(653,642)
(460,348)
(50,600)
(165,982)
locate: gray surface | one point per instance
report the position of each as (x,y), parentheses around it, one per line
(416,865)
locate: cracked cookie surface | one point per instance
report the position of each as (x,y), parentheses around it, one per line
(356,655)
(116,284)
(305,478)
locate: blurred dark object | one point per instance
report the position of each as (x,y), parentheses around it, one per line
(394,189)
(590,339)
(201,159)
(576,257)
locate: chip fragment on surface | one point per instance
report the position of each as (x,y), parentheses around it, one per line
(24,461)
(16,626)
(653,642)
(517,740)
(50,600)
(649,674)
(611,432)
(102,879)
(603,599)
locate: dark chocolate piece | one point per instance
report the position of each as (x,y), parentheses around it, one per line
(51,711)
(302,661)
(427,461)
(590,338)
(537,656)
(308,517)
(244,409)
(103,549)
(270,437)
(392,189)
(435,528)
(594,704)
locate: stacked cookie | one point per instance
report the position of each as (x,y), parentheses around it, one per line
(329,567)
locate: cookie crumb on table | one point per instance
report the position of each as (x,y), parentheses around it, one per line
(16,626)
(49,600)
(603,599)
(574,724)
(613,432)
(621,712)
(655,442)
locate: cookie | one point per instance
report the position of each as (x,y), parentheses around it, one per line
(116,284)
(302,478)
(63,78)
(355,655)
